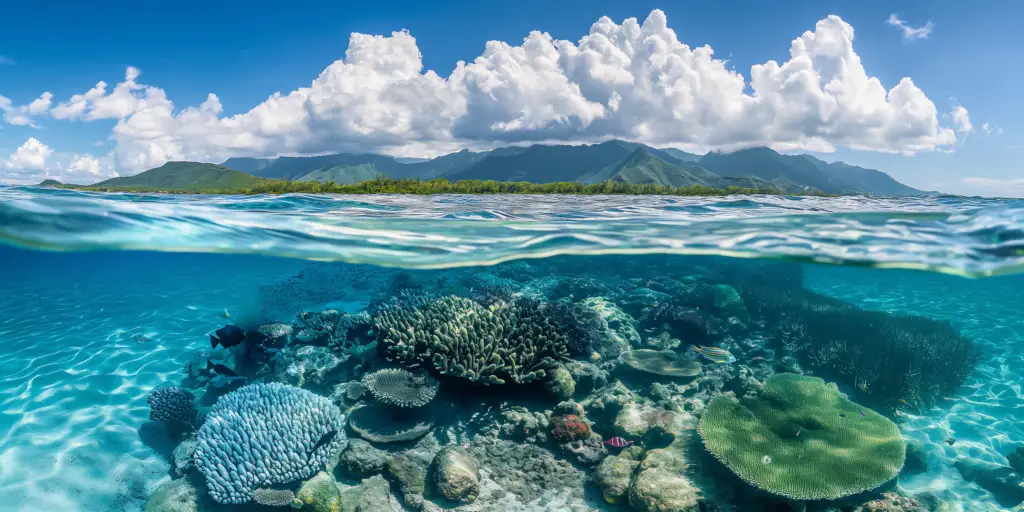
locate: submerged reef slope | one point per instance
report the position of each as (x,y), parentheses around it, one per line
(801,439)
(895,360)
(569,385)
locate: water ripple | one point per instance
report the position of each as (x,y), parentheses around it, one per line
(964,236)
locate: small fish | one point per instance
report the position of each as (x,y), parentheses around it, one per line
(757,358)
(618,442)
(951,441)
(140,338)
(220,369)
(798,433)
(227,336)
(225,315)
(714,354)
(326,439)
(861,411)
(842,415)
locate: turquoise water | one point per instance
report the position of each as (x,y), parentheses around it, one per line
(105,298)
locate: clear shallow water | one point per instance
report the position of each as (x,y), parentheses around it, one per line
(74,376)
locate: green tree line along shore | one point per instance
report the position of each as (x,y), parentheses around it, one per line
(442,186)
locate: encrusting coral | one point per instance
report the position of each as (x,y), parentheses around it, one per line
(801,439)
(263,435)
(459,337)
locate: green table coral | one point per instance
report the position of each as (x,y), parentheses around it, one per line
(801,439)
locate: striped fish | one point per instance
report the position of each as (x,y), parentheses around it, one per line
(714,354)
(618,442)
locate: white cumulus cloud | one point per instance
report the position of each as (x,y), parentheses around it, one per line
(633,81)
(961,121)
(35,161)
(85,163)
(22,115)
(30,156)
(910,33)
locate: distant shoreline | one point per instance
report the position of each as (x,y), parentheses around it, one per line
(443,186)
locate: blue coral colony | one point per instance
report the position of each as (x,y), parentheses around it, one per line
(506,388)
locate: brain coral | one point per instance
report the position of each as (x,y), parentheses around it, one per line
(801,439)
(401,388)
(456,336)
(263,435)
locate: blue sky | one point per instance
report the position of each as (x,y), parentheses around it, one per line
(244,53)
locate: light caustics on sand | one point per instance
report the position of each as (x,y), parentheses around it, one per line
(963,236)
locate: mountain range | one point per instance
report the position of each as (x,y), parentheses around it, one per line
(617,161)
(613,160)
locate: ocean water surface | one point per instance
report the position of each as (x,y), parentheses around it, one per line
(105,298)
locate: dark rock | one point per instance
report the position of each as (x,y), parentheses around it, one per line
(456,474)
(1016,458)
(360,459)
(1005,484)
(917,459)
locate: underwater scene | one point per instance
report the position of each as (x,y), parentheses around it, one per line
(490,353)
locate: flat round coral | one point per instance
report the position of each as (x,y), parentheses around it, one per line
(801,439)
(401,388)
(661,362)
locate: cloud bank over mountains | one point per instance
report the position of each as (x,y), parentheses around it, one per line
(633,81)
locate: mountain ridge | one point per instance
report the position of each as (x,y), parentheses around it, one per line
(757,167)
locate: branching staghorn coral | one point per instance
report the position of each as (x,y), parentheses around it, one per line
(264,435)
(455,336)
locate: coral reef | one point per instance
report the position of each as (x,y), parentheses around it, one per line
(174,496)
(273,497)
(459,337)
(895,360)
(801,439)
(401,388)
(320,494)
(665,363)
(330,327)
(265,434)
(380,424)
(607,344)
(174,406)
(569,428)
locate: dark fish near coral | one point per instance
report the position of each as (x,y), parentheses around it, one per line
(227,336)
(220,369)
(861,412)
(951,441)
(325,440)
(618,442)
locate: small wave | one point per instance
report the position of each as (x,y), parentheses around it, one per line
(964,236)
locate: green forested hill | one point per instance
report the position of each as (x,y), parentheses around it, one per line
(184,176)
